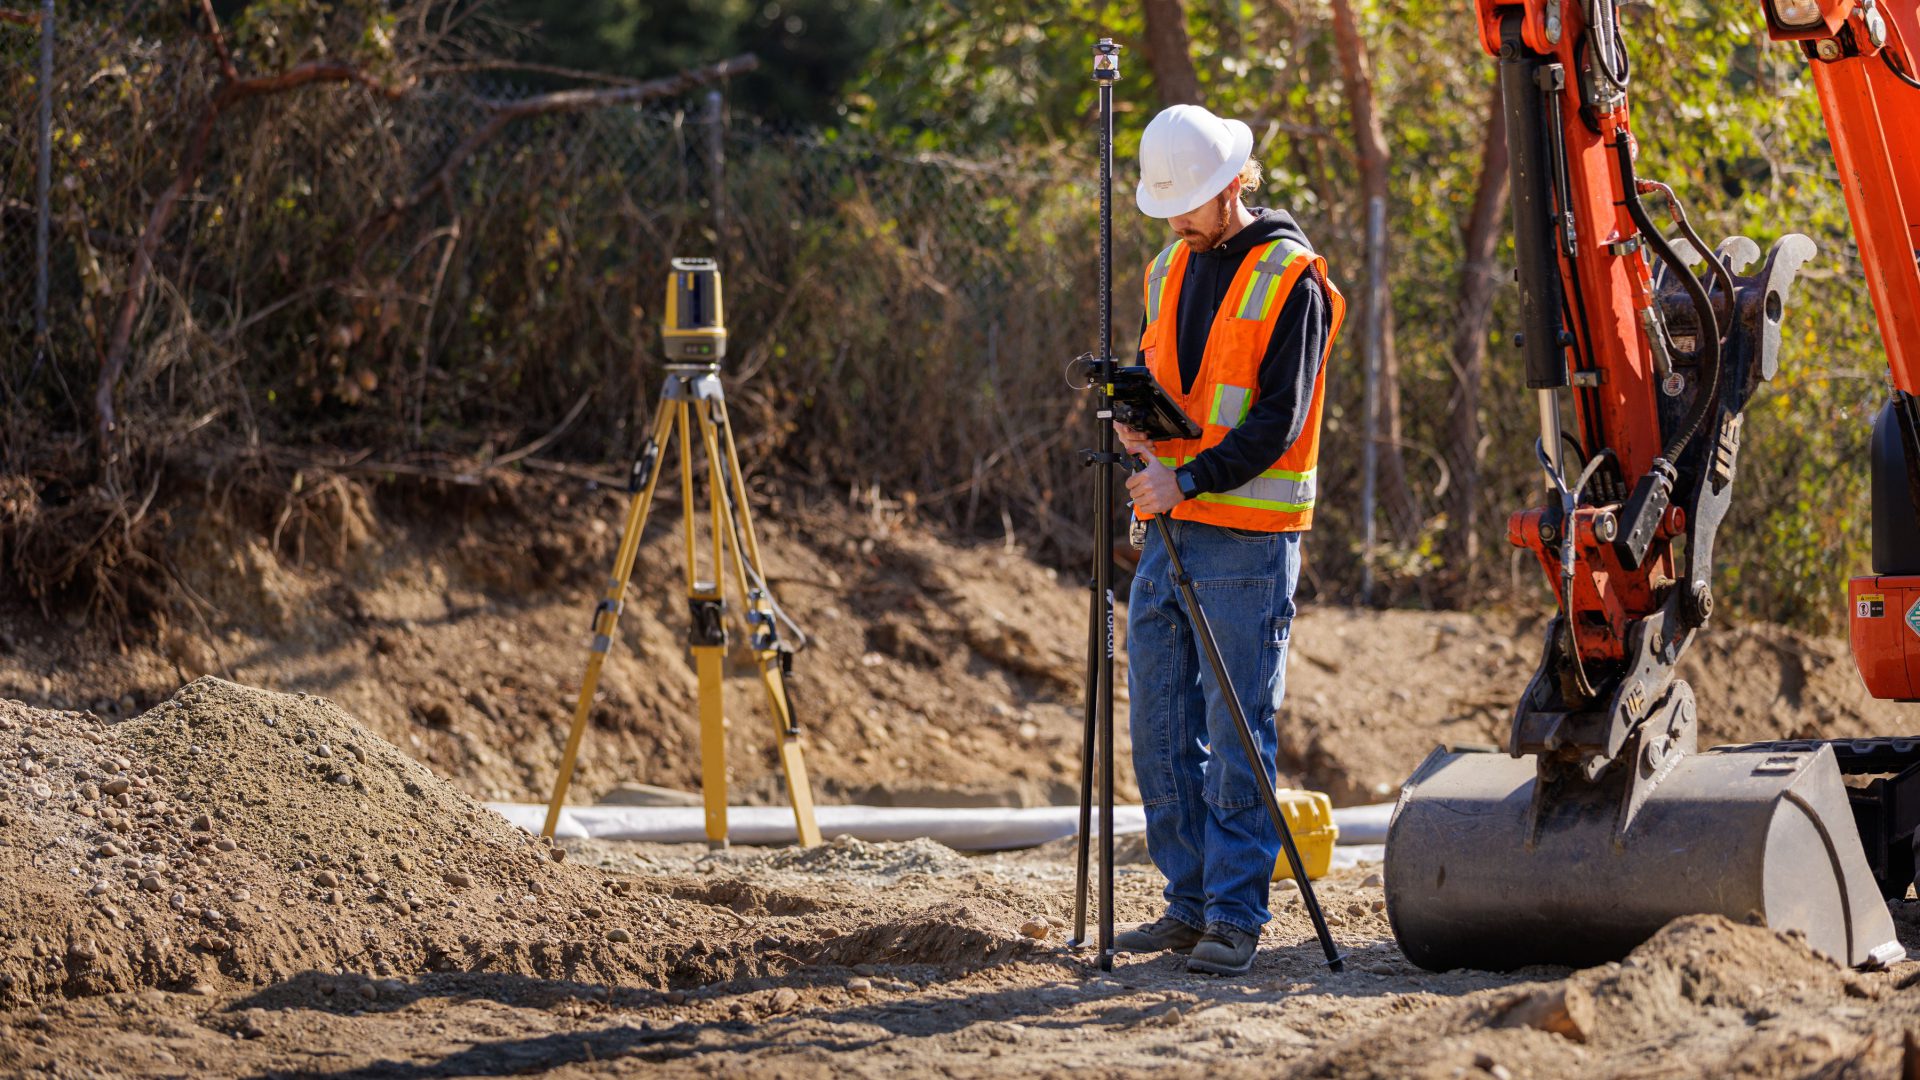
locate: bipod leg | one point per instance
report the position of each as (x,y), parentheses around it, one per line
(1198,616)
(760,609)
(606,615)
(1083,840)
(1100,689)
(1106,734)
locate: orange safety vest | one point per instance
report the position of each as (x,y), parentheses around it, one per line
(1281,498)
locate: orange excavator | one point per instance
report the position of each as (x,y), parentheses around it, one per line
(1602,820)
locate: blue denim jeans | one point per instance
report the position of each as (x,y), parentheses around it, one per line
(1207,829)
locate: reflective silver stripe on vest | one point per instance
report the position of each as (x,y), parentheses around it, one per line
(1229,405)
(1266,276)
(1157,272)
(1288,494)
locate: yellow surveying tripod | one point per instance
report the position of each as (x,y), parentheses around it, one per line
(695,341)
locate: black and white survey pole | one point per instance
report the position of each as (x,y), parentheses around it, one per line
(1098,727)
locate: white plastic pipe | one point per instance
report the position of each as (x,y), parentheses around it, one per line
(962,828)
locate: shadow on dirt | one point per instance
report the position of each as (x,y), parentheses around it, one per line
(1075,997)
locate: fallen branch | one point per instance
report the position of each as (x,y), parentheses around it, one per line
(546,440)
(468,67)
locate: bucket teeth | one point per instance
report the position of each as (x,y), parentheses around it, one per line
(1481,874)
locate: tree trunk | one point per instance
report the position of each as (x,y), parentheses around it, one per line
(1169,54)
(1370,145)
(1478,275)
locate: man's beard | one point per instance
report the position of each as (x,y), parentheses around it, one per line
(1211,239)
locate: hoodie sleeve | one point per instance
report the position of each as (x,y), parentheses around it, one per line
(1279,413)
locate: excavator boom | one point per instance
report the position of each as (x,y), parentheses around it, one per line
(1602,820)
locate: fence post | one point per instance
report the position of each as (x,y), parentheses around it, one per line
(43,185)
(1376,312)
(717,162)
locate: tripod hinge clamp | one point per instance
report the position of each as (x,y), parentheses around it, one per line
(766,632)
(708,628)
(1096,457)
(786,684)
(608,606)
(643,467)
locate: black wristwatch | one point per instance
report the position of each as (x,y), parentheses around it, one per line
(1188,489)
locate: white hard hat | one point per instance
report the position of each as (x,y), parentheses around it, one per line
(1186,157)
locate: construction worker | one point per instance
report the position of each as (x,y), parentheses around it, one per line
(1239,320)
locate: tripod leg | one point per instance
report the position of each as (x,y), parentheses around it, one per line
(737,483)
(1198,616)
(709,642)
(685,430)
(750,572)
(607,614)
(707,665)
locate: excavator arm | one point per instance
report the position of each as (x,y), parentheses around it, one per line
(1601,821)
(1870,99)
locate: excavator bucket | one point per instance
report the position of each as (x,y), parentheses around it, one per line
(1484,871)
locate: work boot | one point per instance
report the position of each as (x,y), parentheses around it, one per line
(1163,934)
(1225,950)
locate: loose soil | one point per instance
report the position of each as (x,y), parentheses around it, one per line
(216,879)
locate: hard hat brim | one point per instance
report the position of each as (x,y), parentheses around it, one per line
(1189,201)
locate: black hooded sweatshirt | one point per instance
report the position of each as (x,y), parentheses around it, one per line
(1287,372)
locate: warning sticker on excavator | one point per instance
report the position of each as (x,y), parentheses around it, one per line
(1870,606)
(1913,617)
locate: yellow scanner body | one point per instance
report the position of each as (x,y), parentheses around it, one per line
(695,330)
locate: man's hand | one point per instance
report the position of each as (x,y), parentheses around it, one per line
(1154,488)
(1134,440)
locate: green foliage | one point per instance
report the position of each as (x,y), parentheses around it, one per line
(960,74)
(807,48)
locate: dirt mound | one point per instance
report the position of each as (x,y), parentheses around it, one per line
(1708,962)
(847,854)
(241,834)
(1740,999)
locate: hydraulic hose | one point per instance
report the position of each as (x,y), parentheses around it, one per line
(1609,52)
(1709,350)
(1898,71)
(1679,217)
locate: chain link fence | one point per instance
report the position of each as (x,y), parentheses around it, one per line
(26,150)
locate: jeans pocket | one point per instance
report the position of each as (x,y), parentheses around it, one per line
(1248,536)
(1279,635)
